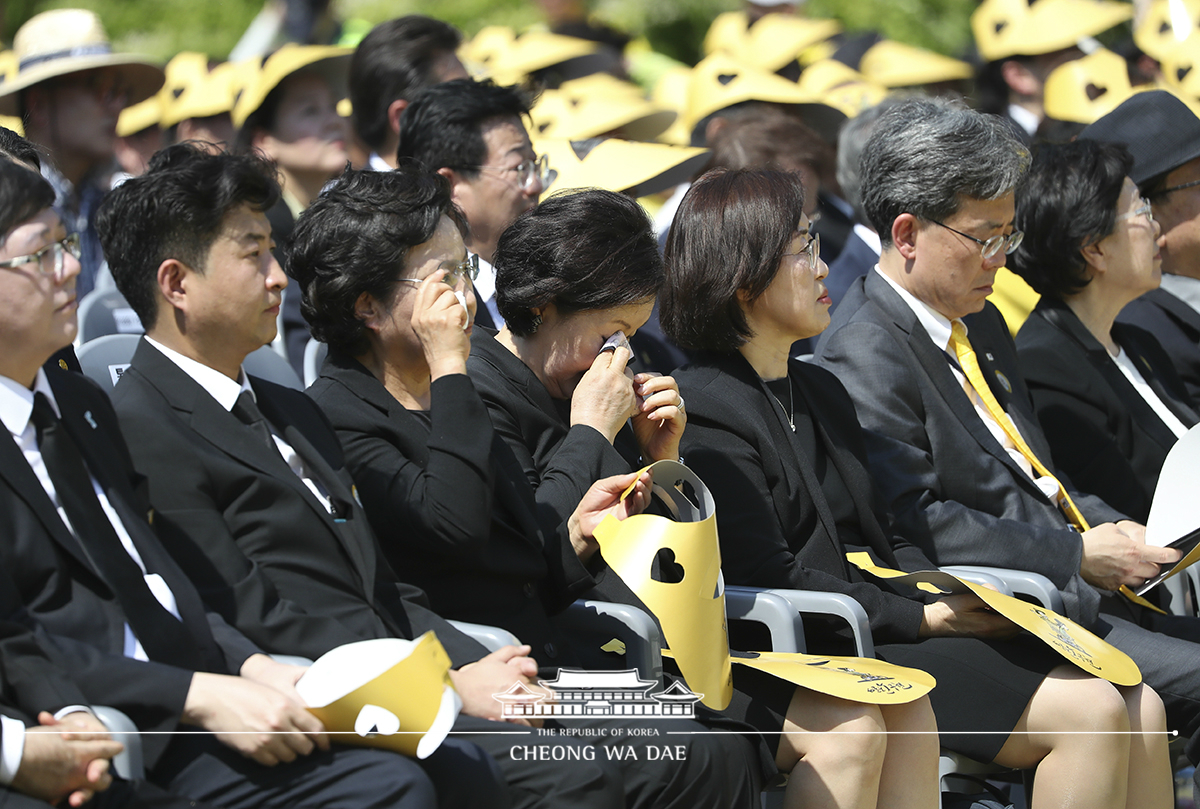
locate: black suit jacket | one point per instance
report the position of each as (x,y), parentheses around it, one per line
(776,526)
(79,617)
(450,503)
(296,577)
(954,490)
(1101,431)
(1176,326)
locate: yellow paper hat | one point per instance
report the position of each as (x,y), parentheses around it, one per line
(330,61)
(720,81)
(841,87)
(619,165)
(1181,71)
(508,59)
(1084,90)
(777,39)
(141,115)
(193,91)
(1166,24)
(895,64)
(8,69)
(391,693)
(572,115)
(670,92)
(1006,28)
(726,32)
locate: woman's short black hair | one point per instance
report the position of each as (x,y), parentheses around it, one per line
(23,195)
(729,234)
(581,251)
(355,238)
(1067,202)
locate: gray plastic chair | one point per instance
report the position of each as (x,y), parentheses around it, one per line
(314,355)
(127,764)
(104,312)
(104,359)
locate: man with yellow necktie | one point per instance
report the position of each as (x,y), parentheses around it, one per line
(953,440)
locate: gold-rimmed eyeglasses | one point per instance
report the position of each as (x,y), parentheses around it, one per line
(990,247)
(56,267)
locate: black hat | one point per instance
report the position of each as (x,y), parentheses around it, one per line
(1159,130)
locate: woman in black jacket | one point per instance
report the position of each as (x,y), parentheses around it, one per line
(778,443)
(1108,398)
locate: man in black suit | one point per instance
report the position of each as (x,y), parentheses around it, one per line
(111,606)
(930,365)
(248,479)
(1163,135)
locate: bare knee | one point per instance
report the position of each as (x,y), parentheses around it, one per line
(1082,703)
(830,732)
(1145,708)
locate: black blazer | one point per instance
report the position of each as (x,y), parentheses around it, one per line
(450,503)
(952,487)
(294,576)
(1101,431)
(80,620)
(1176,326)
(776,526)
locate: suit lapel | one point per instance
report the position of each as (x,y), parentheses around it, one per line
(1176,308)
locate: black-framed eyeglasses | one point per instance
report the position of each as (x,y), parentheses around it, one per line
(990,247)
(57,250)
(527,171)
(1164,191)
(465,270)
(811,249)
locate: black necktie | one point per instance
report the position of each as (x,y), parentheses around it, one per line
(160,632)
(248,413)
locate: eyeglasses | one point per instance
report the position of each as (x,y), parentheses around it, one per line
(1144,208)
(811,249)
(527,171)
(57,250)
(990,247)
(466,270)
(1165,191)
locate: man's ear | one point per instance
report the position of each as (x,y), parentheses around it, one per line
(1020,79)
(393,114)
(258,139)
(904,235)
(172,282)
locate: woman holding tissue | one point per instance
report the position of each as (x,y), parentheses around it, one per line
(779,445)
(453,504)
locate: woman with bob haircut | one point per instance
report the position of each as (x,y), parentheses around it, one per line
(778,443)
(1106,393)
(571,275)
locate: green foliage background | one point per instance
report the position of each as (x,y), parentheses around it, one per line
(674,27)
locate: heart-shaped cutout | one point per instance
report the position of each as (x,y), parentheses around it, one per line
(1000,26)
(725,78)
(1094,92)
(177,92)
(1180,73)
(376,721)
(666,569)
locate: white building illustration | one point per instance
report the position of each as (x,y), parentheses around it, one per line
(599,693)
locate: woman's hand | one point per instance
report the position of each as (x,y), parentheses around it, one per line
(440,323)
(660,420)
(964,615)
(604,397)
(602,499)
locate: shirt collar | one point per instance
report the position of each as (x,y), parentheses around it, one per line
(1182,287)
(936,325)
(16,402)
(485,282)
(377,163)
(219,386)
(1024,118)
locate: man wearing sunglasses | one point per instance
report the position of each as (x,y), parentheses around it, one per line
(473,133)
(954,443)
(1164,137)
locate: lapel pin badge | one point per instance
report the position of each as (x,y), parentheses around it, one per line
(1004,381)
(87,416)
(989,356)
(63,364)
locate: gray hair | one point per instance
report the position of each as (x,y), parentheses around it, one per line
(926,155)
(851,140)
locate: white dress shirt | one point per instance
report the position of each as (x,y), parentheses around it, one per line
(1139,383)
(16,410)
(226,391)
(377,163)
(939,329)
(485,291)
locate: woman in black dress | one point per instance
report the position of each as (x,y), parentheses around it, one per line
(778,443)
(1108,398)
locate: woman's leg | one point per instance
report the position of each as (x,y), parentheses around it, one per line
(1151,784)
(1075,731)
(910,768)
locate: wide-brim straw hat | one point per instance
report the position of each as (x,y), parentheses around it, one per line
(1084,90)
(1005,28)
(194,91)
(71,40)
(1166,24)
(1158,128)
(895,64)
(627,167)
(329,61)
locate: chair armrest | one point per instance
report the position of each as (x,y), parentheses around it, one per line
(979,575)
(128,764)
(632,626)
(492,637)
(1020,583)
(780,618)
(816,602)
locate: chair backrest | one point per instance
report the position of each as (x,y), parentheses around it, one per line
(314,355)
(266,363)
(106,312)
(104,359)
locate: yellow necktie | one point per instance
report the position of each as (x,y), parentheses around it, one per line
(970,368)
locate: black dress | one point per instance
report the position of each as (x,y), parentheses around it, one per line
(790,505)
(561,462)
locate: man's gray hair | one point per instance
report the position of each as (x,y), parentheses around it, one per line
(925,156)
(852,138)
